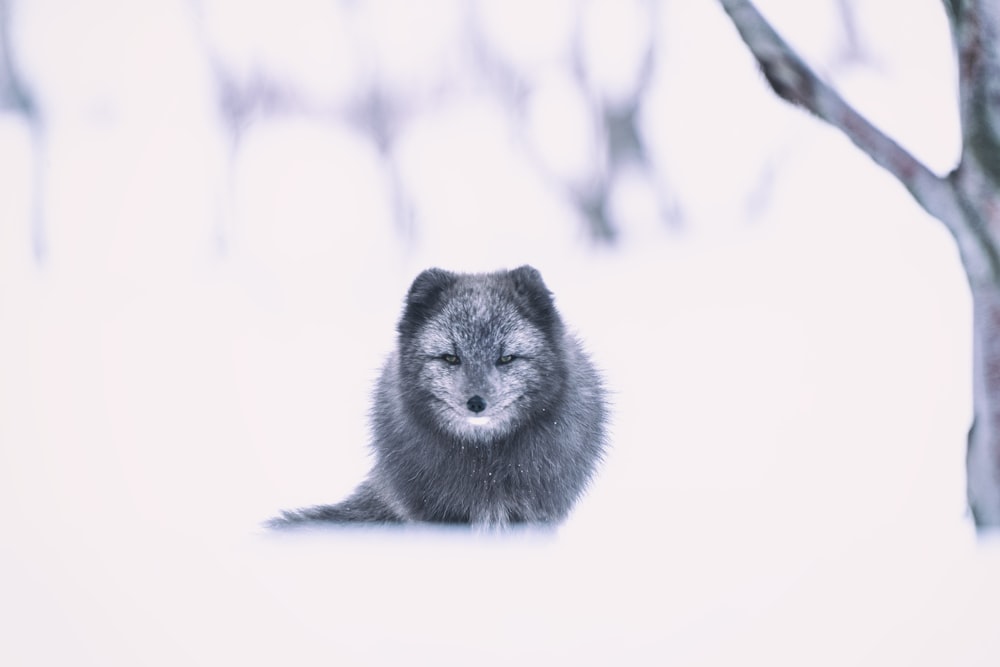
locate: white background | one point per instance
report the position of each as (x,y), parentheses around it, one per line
(789,362)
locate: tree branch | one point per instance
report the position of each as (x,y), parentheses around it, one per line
(794,81)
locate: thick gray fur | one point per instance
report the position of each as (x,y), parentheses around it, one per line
(487,413)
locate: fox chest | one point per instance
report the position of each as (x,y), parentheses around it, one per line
(484,493)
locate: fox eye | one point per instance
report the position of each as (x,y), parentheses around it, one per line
(505,359)
(451,359)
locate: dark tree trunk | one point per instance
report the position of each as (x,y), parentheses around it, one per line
(967,201)
(983,461)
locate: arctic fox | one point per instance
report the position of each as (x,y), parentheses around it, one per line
(488,412)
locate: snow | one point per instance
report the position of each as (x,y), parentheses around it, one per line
(789,370)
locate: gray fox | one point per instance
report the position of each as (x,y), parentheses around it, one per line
(487,413)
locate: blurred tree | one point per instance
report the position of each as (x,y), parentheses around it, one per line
(12,93)
(967,200)
(15,96)
(602,51)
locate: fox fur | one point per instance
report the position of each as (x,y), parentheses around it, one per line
(487,413)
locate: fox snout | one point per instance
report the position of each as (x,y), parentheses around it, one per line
(476,404)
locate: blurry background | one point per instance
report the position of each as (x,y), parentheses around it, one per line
(210,212)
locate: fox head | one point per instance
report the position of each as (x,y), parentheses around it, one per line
(480,354)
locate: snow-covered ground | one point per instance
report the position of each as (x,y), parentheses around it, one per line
(790,368)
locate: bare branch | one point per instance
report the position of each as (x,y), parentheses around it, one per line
(967,201)
(794,81)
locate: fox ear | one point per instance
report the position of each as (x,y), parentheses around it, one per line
(423,297)
(528,284)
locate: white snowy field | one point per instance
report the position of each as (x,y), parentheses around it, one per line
(789,368)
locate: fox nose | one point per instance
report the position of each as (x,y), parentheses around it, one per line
(476,404)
